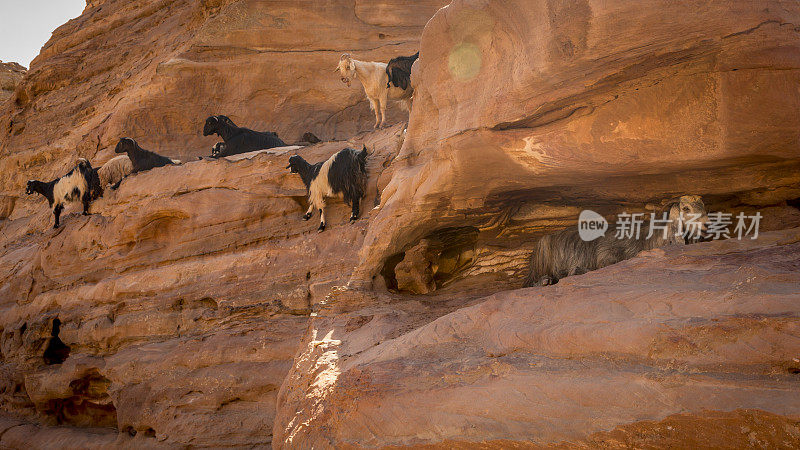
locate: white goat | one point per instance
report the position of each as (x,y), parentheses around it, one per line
(113,171)
(372,76)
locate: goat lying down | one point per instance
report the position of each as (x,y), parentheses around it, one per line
(399,71)
(80,184)
(342,175)
(236,139)
(565,254)
(219,148)
(114,171)
(142,159)
(373,78)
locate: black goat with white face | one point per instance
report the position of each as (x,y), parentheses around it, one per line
(238,139)
(140,158)
(342,175)
(80,184)
(399,71)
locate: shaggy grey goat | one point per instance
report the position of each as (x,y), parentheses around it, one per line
(564,253)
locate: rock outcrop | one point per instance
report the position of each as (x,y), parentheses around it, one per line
(154,71)
(707,327)
(182,297)
(527,112)
(11,74)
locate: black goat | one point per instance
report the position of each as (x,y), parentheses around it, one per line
(310,137)
(81,183)
(399,71)
(237,139)
(56,351)
(342,175)
(140,158)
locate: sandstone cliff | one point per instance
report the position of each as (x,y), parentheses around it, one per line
(708,327)
(10,76)
(524,108)
(154,70)
(200,310)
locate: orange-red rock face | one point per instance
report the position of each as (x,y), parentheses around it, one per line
(10,76)
(182,297)
(200,310)
(155,70)
(690,329)
(587,103)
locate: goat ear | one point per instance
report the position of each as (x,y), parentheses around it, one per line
(691,198)
(674,211)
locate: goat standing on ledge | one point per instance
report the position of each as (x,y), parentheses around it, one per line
(238,139)
(343,175)
(372,76)
(565,254)
(399,70)
(80,183)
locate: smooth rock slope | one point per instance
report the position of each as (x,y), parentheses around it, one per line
(708,327)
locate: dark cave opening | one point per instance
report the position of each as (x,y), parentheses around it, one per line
(88,406)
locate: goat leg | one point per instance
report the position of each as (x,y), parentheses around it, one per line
(354,216)
(309,213)
(382,104)
(376,108)
(547,281)
(85,200)
(321,221)
(57,214)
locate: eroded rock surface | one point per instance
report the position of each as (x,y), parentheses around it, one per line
(11,75)
(182,297)
(685,329)
(154,71)
(526,109)
(200,310)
